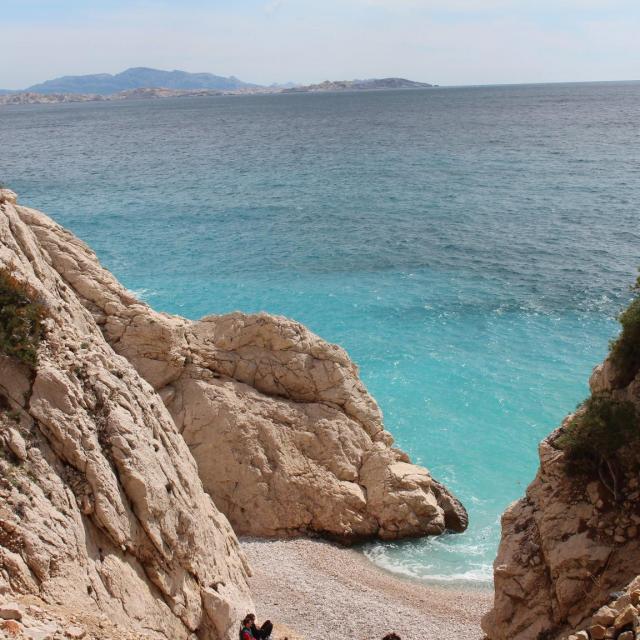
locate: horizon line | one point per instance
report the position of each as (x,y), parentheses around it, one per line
(436,85)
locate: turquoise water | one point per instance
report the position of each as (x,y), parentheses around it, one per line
(469,247)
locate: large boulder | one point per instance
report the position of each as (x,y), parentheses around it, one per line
(287,439)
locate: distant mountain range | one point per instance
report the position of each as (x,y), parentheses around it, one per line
(105,84)
(142,82)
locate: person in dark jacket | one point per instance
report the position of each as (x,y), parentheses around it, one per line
(260,633)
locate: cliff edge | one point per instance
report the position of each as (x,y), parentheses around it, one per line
(569,559)
(101,507)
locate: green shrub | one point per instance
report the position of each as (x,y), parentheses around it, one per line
(625,350)
(601,428)
(602,438)
(21,316)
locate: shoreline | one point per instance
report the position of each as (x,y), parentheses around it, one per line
(321,590)
(456,585)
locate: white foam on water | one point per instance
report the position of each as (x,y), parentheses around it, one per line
(142,294)
(480,574)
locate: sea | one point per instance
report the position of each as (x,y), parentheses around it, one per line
(470,247)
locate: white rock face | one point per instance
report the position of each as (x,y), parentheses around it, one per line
(286,437)
(567,548)
(101,503)
(101,506)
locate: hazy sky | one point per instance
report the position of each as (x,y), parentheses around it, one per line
(265,41)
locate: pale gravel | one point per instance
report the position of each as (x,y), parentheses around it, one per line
(325,591)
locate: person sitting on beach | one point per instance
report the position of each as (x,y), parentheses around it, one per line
(245,629)
(259,633)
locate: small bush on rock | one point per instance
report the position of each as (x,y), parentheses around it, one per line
(625,351)
(601,438)
(21,316)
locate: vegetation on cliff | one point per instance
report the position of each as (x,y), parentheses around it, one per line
(21,316)
(625,351)
(604,436)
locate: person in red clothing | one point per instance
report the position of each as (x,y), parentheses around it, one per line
(245,629)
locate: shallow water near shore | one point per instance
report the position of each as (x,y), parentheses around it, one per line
(470,248)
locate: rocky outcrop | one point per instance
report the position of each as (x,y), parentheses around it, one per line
(29,617)
(620,618)
(569,547)
(286,437)
(101,507)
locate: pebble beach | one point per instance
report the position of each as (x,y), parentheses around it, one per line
(314,590)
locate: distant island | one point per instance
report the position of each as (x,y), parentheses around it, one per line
(143,82)
(105,84)
(361,85)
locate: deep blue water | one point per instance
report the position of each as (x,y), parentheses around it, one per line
(470,248)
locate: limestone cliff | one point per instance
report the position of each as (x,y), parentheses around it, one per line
(570,552)
(101,506)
